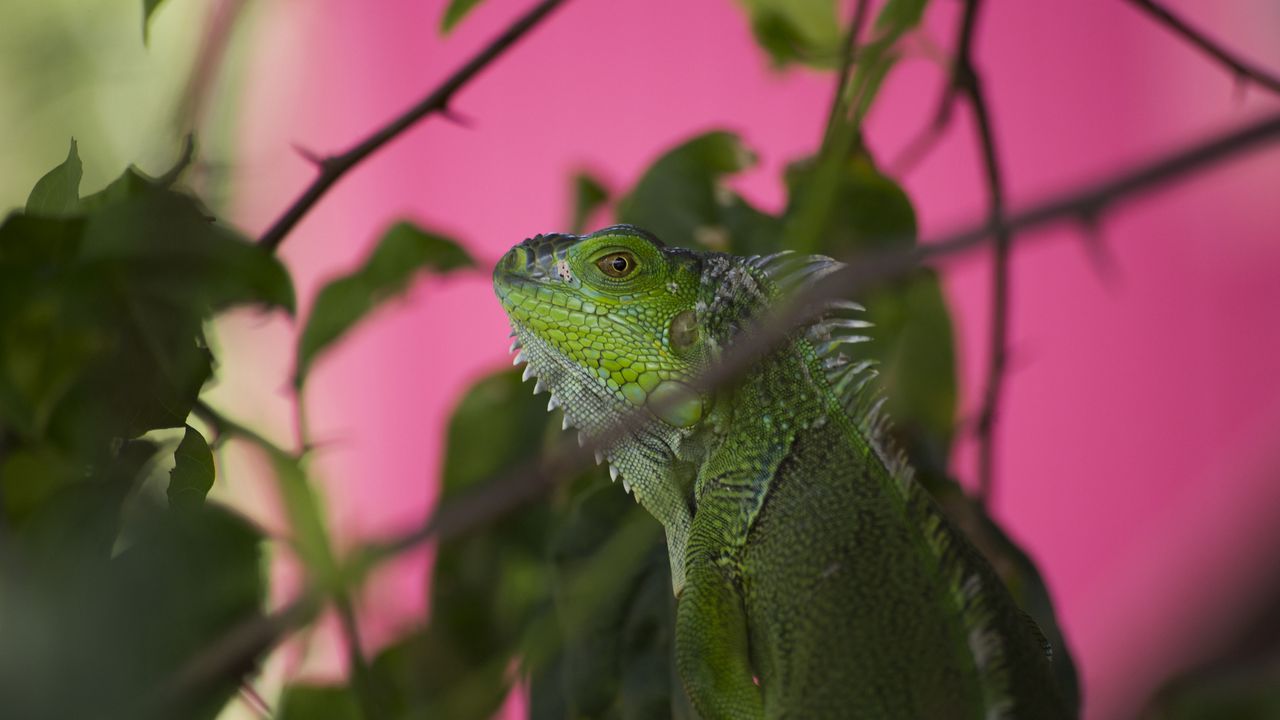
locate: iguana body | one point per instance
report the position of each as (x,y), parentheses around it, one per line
(815,579)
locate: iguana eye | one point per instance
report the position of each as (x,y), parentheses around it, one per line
(618,264)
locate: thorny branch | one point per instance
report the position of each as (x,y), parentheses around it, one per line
(1242,69)
(238,650)
(332,168)
(506,492)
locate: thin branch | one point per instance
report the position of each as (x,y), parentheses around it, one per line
(239,648)
(1241,68)
(334,167)
(231,657)
(510,490)
(965,79)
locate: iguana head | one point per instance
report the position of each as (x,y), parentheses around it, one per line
(606,322)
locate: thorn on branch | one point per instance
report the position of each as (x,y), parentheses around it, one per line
(321,163)
(436,102)
(1101,260)
(457,118)
(1228,59)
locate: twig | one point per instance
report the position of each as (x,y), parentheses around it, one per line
(512,489)
(966,80)
(1242,69)
(506,492)
(334,167)
(231,656)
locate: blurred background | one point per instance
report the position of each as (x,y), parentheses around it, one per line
(1139,444)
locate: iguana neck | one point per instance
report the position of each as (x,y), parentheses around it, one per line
(784,391)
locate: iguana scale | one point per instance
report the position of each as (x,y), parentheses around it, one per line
(815,578)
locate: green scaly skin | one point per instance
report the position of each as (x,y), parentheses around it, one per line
(815,579)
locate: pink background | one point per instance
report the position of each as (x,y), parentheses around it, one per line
(1139,445)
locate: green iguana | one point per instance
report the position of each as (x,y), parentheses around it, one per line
(814,577)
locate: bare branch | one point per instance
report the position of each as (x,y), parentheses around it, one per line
(1241,68)
(965,79)
(437,102)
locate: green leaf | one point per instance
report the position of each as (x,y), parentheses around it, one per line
(131,183)
(161,243)
(682,198)
(615,610)
(120,627)
(319,702)
(306,520)
(101,315)
(57,194)
(589,195)
(192,474)
(402,252)
(454,13)
(805,31)
(877,57)
(149,8)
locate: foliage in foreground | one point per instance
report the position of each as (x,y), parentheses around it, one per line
(117,576)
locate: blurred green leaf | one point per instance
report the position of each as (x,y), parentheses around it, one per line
(1231,667)
(120,628)
(877,57)
(402,252)
(682,199)
(310,536)
(805,31)
(131,183)
(490,582)
(57,194)
(319,702)
(161,243)
(615,612)
(192,475)
(101,314)
(589,195)
(1251,696)
(455,12)
(148,9)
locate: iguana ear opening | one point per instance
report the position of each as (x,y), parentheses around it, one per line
(676,403)
(683,331)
